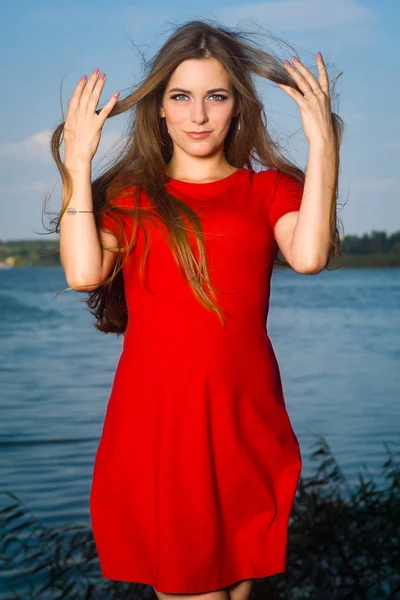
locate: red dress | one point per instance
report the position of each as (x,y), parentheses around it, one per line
(198,465)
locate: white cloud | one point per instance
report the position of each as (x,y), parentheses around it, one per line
(37,147)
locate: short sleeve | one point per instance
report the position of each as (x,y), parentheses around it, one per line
(286,196)
(108,222)
(114,221)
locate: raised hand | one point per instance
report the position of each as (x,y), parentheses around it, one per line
(314,105)
(82,127)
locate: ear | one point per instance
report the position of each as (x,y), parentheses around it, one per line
(162,112)
(237,105)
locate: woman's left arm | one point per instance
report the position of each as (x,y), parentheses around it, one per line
(310,238)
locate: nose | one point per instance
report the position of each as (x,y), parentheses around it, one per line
(199,113)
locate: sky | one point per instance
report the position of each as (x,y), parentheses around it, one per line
(46,46)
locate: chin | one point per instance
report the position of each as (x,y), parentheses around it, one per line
(199,151)
(201,154)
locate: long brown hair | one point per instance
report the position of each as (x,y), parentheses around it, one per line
(148,150)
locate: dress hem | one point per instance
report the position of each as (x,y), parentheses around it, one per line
(197,590)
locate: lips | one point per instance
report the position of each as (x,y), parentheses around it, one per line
(197,135)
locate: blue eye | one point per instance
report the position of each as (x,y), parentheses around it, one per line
(219,96)
(177,96)
(213,95)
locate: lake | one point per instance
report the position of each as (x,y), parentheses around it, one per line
(336,336)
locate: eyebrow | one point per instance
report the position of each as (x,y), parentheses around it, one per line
(208,91)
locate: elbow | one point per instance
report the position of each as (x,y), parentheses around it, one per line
(311,267)
(310,261)
(81,285)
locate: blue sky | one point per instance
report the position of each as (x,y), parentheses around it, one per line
(48,45)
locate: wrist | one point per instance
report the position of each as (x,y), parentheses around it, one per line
(323,149)
(77,163)
(323,143)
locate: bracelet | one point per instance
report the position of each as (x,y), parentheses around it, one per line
(73,211)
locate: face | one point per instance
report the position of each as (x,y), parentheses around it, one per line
(198,98)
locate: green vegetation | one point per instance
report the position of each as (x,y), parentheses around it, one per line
(376,249)
(343,544)
(30,253)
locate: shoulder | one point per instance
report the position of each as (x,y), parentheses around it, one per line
(274,181)
(263,182)
(260,179)
(120,196)
(269,177)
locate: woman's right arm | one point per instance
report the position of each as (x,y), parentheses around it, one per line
(84,261)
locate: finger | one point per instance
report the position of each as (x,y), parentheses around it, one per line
(87,92)
(323,75)
(308,76)
(95,96)
(107,108)
(302,83)
(297,97)
(75,98)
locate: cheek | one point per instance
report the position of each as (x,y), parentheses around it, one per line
(224,116)
(175,113)
(223,123)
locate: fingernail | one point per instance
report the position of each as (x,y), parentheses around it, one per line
(95,71)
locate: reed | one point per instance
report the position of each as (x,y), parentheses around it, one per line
(344,543)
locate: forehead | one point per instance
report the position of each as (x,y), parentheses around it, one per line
(198,73)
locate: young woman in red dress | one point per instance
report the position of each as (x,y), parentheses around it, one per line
(198,465)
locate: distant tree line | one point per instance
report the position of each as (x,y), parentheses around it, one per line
(375,249)
(377,242)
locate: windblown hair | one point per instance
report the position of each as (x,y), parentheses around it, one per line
(148,150)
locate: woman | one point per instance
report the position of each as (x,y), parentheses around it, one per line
(198,465)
